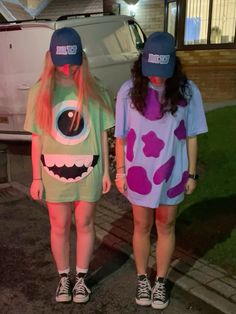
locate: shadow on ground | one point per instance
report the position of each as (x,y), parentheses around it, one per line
(205,224)
(29,278)
(200,227)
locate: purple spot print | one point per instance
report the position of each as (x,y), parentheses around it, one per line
(180,131)
(183,103)
(152,110)
(137,180)
(179,188)
(164,172)
(153,145)
(131,137)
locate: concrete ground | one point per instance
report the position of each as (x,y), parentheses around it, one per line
(29,279)
(114,229)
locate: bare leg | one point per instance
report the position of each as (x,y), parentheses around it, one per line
(143,220)
(165,224)
(60,220)
(84,217)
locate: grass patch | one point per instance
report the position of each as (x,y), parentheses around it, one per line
(206,223)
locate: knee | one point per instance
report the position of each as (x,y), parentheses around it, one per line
(85,225)
(142,227)
(165,227)
(60,228)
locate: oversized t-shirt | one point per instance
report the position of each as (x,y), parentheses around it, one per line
(156,159)
(71,160)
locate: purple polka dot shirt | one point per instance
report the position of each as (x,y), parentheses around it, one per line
(156,160)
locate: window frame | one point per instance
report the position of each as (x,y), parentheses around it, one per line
(180,28)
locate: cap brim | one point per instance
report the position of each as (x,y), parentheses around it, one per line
(62,60)
(160,70)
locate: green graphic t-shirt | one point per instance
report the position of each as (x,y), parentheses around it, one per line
(71,160)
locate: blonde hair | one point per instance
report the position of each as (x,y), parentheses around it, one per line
(87,87)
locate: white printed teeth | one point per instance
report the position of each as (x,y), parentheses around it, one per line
(68,161)
(69,180)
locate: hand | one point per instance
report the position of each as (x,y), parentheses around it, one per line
(190,186)
(36,189)
(121,184)
(106,183)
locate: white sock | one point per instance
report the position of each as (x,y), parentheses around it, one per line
(81,270)
(65,271)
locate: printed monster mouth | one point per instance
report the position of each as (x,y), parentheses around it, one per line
(69,168)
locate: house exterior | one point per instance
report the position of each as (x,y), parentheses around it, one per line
(204,31)
(46,9)
(11,11)
(205,38)
(58,8)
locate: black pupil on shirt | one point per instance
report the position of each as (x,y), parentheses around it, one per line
(64,123)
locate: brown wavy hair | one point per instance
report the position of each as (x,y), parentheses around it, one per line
(177,88)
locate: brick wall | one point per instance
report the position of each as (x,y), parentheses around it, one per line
(148,13)
(57,8)
(17,11)
(32,4)
(214,71)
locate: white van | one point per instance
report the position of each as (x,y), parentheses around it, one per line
(111,43)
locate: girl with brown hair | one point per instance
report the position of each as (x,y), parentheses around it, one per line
(159,114)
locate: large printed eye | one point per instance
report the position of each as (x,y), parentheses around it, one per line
(65,120)
(62,129)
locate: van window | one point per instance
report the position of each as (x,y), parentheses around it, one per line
(137,34)
(112,39)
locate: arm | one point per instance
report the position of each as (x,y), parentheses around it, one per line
(192,161)
(36,189)
(106,181)
(121,183)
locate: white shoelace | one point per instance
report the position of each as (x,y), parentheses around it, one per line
(64,285)
(143,286)
(159,291)
(80,287)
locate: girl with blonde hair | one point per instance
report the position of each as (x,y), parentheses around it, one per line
(68,114)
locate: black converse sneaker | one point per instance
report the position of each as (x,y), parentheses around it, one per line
(143,291)
(64,289)
(80,291)
(160,294)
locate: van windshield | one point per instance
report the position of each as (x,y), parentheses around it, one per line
(109,39)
